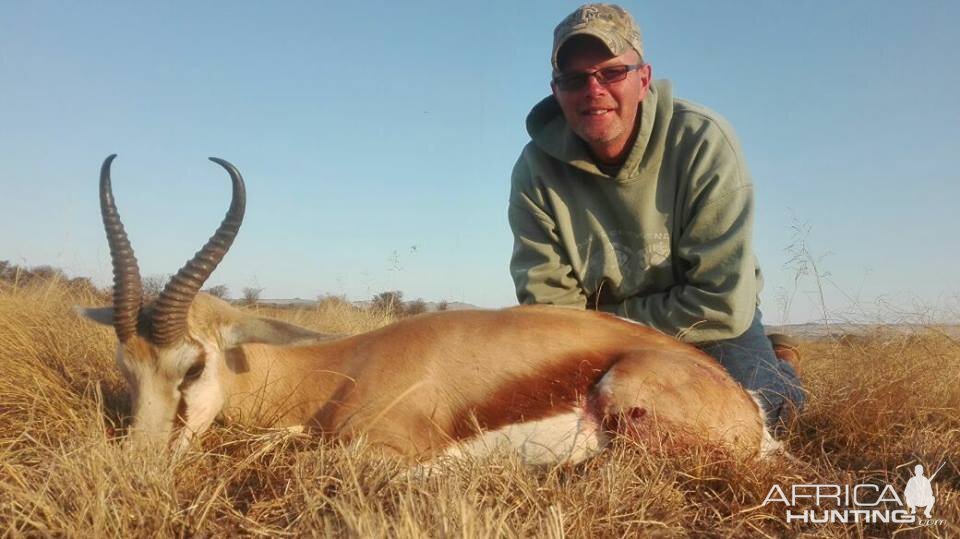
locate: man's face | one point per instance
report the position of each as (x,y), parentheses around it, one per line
(603,116)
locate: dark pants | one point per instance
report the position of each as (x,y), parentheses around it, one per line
(750,360)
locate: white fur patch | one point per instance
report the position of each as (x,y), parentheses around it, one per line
(604,387)
(566,438)
(204,397)
(768,445)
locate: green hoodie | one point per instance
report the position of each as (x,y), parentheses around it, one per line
(669,236)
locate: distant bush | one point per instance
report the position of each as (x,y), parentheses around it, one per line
(219,291)
(389,302)
(12,274)
(416,306)
(251,295)
(154,284)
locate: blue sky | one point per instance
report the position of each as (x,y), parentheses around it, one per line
(377,138)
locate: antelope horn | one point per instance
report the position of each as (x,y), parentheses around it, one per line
(127,289)
(170,315)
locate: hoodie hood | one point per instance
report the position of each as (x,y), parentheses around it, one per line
(550,133)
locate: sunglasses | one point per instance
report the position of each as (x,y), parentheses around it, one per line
(605,76)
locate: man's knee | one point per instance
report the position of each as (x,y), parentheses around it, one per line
(751,360)
(778,388)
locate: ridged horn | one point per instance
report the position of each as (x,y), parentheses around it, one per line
(170,314)
(127,288)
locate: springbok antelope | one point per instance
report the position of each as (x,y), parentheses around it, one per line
(551,383)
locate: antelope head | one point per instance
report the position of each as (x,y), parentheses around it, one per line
(170,349)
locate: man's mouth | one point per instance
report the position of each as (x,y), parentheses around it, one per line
(596,112)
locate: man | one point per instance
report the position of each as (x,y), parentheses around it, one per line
(630,201)
(919,492)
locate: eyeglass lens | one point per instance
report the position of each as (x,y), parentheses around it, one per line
(604,76)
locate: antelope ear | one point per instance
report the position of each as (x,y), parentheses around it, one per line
(100,315)
(253,329)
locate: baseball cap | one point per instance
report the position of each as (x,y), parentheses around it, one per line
(609,23)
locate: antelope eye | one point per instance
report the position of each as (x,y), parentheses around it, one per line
(194,371)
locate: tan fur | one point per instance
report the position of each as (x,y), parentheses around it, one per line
(425,383)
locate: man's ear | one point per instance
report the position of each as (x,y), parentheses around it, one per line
(253,329)
(646,73)
(100,315)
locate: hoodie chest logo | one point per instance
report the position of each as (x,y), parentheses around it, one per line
(623,258)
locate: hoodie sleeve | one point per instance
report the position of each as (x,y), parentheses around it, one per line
(541,271)
(716,295)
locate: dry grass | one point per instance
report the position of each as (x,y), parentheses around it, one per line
(875,405)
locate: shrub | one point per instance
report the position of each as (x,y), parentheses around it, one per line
(388,302)
(251,295)
(219,291)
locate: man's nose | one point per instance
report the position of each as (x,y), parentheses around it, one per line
(593,87)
